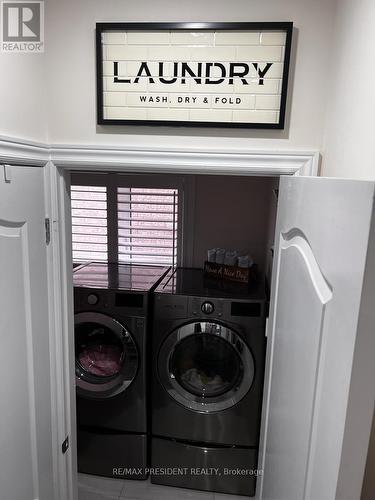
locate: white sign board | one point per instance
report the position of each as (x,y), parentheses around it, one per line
(231,74)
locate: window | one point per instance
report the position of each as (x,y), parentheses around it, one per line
(123,218)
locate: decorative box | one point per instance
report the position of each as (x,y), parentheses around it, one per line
(243,275)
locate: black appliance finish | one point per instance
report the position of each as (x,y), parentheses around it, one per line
(208,368)
(111,305)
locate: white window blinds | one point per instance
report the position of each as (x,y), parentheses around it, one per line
(89,223)
(125,223)
(147,225)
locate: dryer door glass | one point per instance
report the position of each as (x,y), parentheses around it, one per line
(106,355)
(206,366)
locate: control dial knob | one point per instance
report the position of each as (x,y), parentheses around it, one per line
(207,308)
(92,299)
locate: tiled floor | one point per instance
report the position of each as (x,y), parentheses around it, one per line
(101,488)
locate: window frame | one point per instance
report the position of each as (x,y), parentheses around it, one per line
(113,180)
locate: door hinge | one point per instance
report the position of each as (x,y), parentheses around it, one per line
(47,224)
(65,445)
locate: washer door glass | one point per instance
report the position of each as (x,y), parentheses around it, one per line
(106,355)
(206,366)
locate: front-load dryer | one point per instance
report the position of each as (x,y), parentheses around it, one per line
(208,368)
(111,306)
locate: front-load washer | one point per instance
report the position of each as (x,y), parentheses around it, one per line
(208,368)
(111,308)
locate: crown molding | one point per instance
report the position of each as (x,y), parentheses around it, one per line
(233,161)
(228,161)
(21,152)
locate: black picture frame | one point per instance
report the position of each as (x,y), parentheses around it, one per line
(101,28)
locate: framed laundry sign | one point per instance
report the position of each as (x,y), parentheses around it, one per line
(193,74)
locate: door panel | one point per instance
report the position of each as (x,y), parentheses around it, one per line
(25,418)
(294,391)
(321,244)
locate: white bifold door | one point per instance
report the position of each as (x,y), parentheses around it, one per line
(320,375)
(25,371)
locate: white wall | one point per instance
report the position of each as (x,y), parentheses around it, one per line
(331,94)
(71,70)
(22,96)
(349,145)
